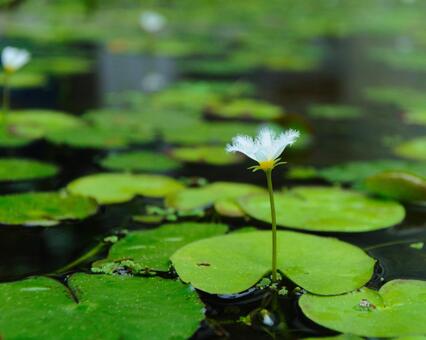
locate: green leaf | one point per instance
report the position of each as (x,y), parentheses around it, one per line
(233,263)
(336,337)
(335,112)
(98,306)
(398,185)
(108,188)
(19,169)
(214,155)
(44,208)
(413,149)
(246,108)
(142,251)
(325,209)
(397,309)
(135,161)
(193,198)
(25,80)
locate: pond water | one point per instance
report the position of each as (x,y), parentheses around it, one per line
(345,73)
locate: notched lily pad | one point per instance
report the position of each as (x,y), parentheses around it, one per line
(20,169)
(193,198)
(150,250)
(109,307)
(44,208)
(398,185)
(108,188)
(235,262)
(135,161)
(214,155)
(397,309)
(325,209)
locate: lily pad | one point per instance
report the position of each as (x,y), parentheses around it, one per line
(397,309)
(108,188)
(235,262)
(228,207)
(135,161)
(25,80)
(19,169)
(336,337)
(246,108)
(44,208)
(142,251)
(61,65)
(335,111)
(37,123)
(214,155)
(325,209)
(352,172)
(11,139)
(98,306)
(193,198)
(413,149)
(399,185)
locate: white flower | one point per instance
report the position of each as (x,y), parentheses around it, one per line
(13,58)
(266,148)
(152,22)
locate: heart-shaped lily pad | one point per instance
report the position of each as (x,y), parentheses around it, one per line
(44,208)
(135,161)
(142,251)
(214,155)
(397,309)
(325,209)
(399,185)
(235,262)
(194,198)
(98,306)
(413,149)
(108,188)
(19,169)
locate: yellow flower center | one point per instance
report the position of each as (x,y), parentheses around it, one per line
(267,165)
(8,70)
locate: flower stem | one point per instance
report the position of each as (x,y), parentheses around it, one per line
(6,98)
(274,224)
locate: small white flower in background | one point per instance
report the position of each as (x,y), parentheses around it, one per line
(266,148)
(152,22)
(13,58)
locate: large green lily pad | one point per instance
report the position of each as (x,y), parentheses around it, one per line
(325,209)
(246,108)
(98,306)
(135,161)
(214,155)
(108,188)
(9,138)
(44,208)
(397,309)
(194,198)
(335,112)
(399,185)
(25,80)
(354,172)
(235,262)
(142,251)
(413,149)
(19,169)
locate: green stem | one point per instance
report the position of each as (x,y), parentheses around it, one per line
(6,97)
(274,224)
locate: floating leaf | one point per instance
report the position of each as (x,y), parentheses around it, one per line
(214,155)
(413,149)
(228,207)
(325,209)
(19,169)
(399,185)
(43,208)
(193,198)
(397,309)
(142,251)
(60,65)
(98,306)
(109,188)
(329,111)
(235,262)
(10,138)
(25,80)
(135,161)
(336,337)
(246,108)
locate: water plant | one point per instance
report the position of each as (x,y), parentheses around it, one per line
(12,60)
(266,149)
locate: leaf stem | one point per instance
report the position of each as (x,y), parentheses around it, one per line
(274,224)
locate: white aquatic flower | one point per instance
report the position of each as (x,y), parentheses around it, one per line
(152,22)
(14,58)
(266,148)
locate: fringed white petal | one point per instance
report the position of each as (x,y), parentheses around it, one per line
(14,58)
